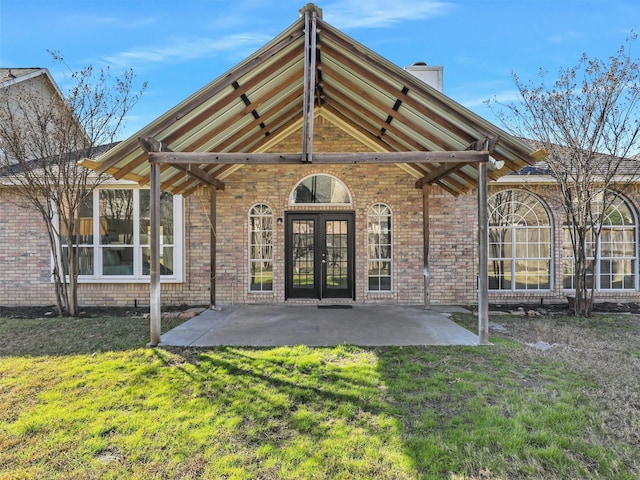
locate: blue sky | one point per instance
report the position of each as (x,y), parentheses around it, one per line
(179,46)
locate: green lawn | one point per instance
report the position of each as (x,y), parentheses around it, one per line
(83,398)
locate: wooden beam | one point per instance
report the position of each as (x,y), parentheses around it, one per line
(425,245)
(379,129)
(438,173)
(150,145)
(203,158)
(200,174)
(255,131)
(367,96)
(155,317)
(212,90)
(264,116)
(483,256)
(213,244)
(363,124)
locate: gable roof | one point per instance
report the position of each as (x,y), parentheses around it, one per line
(262,100)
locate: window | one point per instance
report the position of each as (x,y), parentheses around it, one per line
(260,249)
(320,189)
(519,242)
(114,236)
(379,247)
(618,261)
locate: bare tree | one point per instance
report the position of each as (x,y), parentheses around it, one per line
(42,139)
(588,120)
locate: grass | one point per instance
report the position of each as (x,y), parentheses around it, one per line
(83,398)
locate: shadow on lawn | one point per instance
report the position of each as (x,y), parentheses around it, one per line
(325,406)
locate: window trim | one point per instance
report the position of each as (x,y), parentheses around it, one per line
(178,242)
(293,203)
(249,245)
(597,272)
(513,258)
(391,247)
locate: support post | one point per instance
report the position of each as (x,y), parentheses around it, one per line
(305,96)
(426,244)
(154,261)
(483,256)
(214,245)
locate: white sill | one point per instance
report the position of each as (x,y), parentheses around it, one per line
(125,279)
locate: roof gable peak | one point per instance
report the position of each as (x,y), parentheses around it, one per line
(311,8)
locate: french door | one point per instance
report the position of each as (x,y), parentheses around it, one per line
(319,255)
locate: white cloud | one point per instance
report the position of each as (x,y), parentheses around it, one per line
(380,13)
(564,37)
(187,49)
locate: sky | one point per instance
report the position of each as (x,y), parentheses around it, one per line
(179,46)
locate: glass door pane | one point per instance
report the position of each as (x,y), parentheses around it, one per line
(303,254)
(336,255)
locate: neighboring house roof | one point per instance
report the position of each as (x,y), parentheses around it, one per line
(253,106)
(13,76)
(625,168)
(17,168)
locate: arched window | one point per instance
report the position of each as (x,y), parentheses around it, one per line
(320,189)
(260,248)
(519,242)
(618,265)
(379,247)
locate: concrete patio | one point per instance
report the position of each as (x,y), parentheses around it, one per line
(326,325)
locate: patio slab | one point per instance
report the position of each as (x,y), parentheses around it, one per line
(320,325)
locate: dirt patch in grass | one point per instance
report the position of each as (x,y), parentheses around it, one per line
(605,348)
(543,308)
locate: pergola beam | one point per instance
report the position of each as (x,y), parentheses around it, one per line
(207,158)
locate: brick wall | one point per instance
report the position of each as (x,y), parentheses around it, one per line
(25,259)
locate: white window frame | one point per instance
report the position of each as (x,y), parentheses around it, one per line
(391,247)
(568,252)
(250,244)
(292,200)
(137,276)
(514,245)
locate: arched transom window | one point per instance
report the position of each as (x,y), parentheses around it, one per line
(320,189)
(260,248)
(519,242)
(618,258)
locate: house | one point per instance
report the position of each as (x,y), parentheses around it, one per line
(316,171)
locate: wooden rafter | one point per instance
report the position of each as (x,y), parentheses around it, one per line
(387,109)
(259,120)
(152,145)
(392,136)
(253,131)
(365,128)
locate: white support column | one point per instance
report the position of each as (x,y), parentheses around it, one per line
(154,261)
(483,256)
